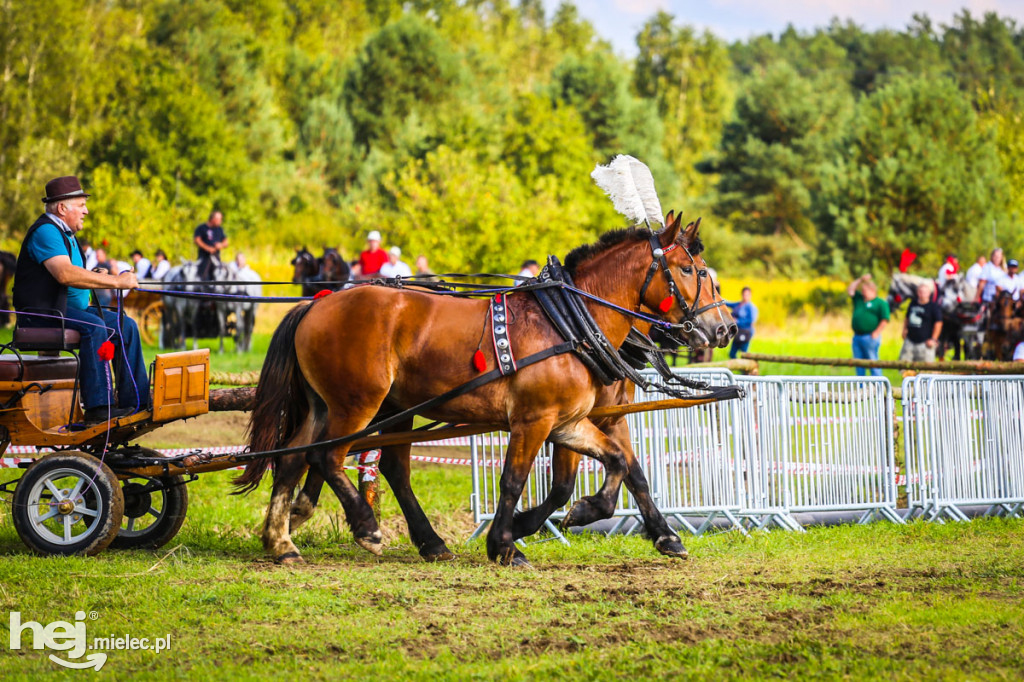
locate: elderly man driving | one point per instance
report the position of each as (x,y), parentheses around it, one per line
(51,283)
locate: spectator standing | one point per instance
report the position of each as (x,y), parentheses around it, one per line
(1012,281)
(395,267)
(210,239)
(870,316)
(973,274)
(142,264)
(161,266)
(948,269)
(991,275)
(529,268)
(921,327)
(745,314)
(423,270)
(373,258)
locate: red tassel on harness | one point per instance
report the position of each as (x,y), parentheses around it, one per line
(321,294)
(106,351)
(479,362)
(906,258)
(665,305)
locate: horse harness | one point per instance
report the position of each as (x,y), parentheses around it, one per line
(660,263)
(569,316)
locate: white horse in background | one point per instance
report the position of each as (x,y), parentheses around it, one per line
(184,314)
(246,282)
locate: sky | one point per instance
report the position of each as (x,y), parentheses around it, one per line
(620,20)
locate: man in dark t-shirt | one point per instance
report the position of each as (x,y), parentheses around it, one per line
(210,239)
(922,327)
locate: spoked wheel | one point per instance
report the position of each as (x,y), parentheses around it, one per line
(68,503)
(154,509)
(149,322)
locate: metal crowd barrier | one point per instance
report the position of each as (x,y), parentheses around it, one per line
(964,445)
(805,444)
(690,457)
(818,444)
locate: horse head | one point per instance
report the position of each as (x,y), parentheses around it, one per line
(335,268)
(688,297)
(306,265)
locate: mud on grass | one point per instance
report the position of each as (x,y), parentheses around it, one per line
(933,602)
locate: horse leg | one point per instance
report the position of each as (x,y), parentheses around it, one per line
(358,512)
(277,540)
(307,499)
(601,505)
(589,440)
(565,466)
(524,443)
(394,464)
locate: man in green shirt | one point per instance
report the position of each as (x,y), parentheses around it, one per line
(870,315)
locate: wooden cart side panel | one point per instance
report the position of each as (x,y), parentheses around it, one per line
(181,385)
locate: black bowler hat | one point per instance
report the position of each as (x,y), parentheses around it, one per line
(1012,263)
(67,187)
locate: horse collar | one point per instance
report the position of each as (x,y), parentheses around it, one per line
(500,320)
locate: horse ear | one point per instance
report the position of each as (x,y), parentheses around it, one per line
(669,217)
(692,233)
(670,234)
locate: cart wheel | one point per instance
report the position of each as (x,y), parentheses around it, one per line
(68,503)
(150,320)
(154,510)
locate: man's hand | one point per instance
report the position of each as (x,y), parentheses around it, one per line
(127,280)
(931,343)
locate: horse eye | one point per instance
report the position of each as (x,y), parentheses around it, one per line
(702,273)
(687,270)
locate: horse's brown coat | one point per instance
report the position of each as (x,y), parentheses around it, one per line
(370,349)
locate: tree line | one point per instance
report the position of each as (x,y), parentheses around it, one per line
(466,129)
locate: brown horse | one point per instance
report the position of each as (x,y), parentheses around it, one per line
(332,366)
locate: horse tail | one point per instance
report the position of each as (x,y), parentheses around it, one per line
(280,404)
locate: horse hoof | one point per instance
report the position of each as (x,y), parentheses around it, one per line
(671,546)
(289,558)
(440,556)
(576,515)
(515,559)
(372,543)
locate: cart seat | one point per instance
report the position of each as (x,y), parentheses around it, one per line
(36,368)
(46,339)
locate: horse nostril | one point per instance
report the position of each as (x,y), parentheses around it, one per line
(721,331)
(733,330)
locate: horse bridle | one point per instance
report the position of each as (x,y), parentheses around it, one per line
(659,262)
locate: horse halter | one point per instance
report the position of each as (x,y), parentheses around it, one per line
(661,263)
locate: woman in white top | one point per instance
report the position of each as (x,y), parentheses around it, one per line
(991,275)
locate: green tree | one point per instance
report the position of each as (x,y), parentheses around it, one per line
(405,68)
(786,126)
(918,170)
(688,76)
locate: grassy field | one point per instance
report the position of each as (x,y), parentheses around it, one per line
(914,602)
(850,602)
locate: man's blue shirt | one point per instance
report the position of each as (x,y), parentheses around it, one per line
(745,314)
(45,243)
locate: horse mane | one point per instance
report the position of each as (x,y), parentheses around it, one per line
(609,239)
(606,241)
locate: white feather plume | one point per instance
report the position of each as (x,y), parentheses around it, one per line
(630,185)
